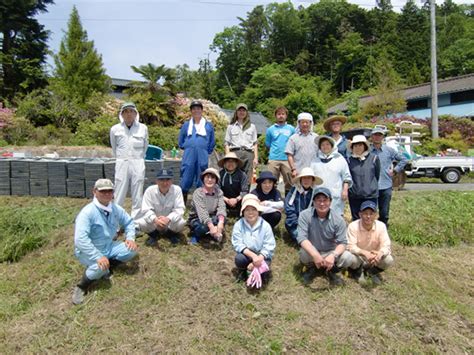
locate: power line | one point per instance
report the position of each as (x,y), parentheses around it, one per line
(139,19)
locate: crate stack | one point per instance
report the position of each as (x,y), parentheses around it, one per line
(109,169)
(39,177)
(175,166)
(76,178)
(151,169)
(57,175)
(93,170)
(20,177)
(5,177)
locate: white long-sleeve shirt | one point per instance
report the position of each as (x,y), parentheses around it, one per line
(157,204)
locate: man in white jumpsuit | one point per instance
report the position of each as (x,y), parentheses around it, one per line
(129,140)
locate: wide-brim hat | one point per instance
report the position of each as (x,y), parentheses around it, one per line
(210,171)
(250,196)
(307,172)
(266,175)
(359,138)
(327,123)
(251,202)
(319,138)
(230,155)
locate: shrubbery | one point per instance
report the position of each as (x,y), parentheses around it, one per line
(94,132)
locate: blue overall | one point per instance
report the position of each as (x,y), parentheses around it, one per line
(196,154)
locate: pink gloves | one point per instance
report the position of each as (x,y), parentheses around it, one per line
(255,278)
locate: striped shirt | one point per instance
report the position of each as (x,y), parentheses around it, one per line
(302,148)
(204,206)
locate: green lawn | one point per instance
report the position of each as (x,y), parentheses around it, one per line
(185,299)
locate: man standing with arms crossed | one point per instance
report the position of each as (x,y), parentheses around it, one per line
(129,141)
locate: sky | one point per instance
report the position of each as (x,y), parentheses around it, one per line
(169,32)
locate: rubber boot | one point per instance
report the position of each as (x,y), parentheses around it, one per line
(152,240)
(334,278)
(81,289)
(374,272)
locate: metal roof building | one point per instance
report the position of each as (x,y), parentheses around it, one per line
(455,97)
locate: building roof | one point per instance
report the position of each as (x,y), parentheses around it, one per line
(260,121)
(120,82)
(421,91)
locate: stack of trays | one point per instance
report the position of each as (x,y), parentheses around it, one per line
(151,169)
(20,177)
(75,187)
(109,169)
(175,166)
(93,171)
(57,174)
(5,177)
(75,178)
(39,177)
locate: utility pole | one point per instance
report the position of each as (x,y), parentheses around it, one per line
(434,76)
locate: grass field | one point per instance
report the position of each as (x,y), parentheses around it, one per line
(185,299)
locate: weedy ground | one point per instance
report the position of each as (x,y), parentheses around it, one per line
(185,299)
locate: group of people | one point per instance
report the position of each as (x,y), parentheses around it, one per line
(320,174)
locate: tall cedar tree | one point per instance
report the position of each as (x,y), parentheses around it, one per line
(23,47)
(79,69)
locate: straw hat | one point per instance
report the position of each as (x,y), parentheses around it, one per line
(319,138)
(307,172)
(230,155)
(327,123)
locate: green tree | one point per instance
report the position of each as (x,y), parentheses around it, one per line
(23,47)
(79,71)
(413,43)
(153,96)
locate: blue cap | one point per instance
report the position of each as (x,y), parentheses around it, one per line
(164,174)
(322,190)
(368,204)
(264,175)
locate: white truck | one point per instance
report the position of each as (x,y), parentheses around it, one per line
(448,168)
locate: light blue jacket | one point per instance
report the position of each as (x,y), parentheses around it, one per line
(259,238)
(95,232)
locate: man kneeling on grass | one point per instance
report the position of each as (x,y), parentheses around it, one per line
(162,210)
(322,237)
(94,237)
(370,244)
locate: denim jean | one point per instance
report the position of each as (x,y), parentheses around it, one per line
(385,196)
(242,261)
(200,229)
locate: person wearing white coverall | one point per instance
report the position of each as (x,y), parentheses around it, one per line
(129,141)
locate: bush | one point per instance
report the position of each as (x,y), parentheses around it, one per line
(51,135)
(262,150)
(164,137)
(94,132)
(19,132)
